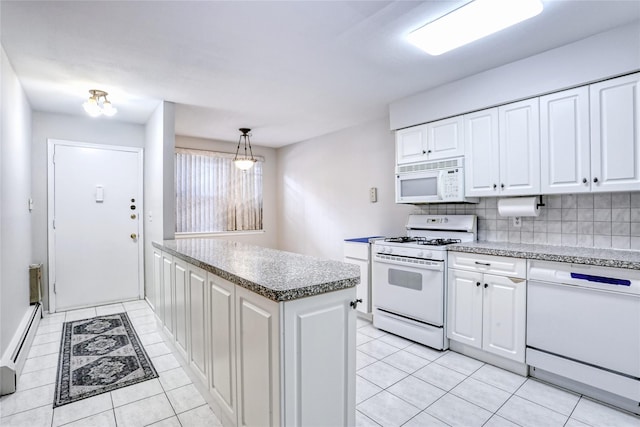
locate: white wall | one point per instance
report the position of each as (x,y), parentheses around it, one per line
(604,55)
(98,130)
(324,190)
(270,236)
(15,190)
(159,200)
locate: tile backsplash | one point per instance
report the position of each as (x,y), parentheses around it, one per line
(602,220)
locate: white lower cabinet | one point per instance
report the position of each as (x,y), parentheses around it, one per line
(319,359)
(222,345)
(486,310)
(266,363)
(198,330)
(168,290)
(180,301)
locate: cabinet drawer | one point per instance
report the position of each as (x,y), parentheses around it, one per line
(499,265)
(356,250)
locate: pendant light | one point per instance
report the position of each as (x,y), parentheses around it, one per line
(245,161)
(98,104)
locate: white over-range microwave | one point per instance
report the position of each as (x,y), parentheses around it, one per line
(440,181)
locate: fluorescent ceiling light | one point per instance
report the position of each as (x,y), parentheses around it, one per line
(471,22)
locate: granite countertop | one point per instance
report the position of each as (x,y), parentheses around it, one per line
(575,255)
(274,274)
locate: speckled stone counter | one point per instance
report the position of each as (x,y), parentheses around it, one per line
(277,275)
(589,256)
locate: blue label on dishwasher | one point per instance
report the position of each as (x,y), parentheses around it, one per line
(601,279)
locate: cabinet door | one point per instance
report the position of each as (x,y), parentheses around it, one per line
(258,350)
(445,138)
(181,299)
(564,142)
(465,307)
(615,134)
(363,290)
(504,316)
(482,155)
(411,144)
(519,125)
(168,290)
(222,347)
(198,341)
(157,285)
(319,353)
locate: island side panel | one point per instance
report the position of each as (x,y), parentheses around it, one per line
(258,359)
(319,360)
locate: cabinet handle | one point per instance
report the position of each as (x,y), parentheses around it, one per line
(424,152)
(428,151)
(595,179)
(584,180)
(354,304)
(478,284)
(495,186)
(501,185)
(486,286)
(483,263)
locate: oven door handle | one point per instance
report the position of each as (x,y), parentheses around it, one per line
(433,265)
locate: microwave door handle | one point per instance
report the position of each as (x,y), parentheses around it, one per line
(440,186)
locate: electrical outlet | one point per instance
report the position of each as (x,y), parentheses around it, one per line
(373,194)
(517,222)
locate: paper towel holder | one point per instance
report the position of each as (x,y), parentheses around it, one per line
(540,203)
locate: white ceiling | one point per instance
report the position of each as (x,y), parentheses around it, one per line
(290,70)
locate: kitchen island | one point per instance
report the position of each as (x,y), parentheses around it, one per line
(270,334)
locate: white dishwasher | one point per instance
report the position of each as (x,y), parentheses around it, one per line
(583,325)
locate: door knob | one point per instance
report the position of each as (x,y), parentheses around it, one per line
(134,236)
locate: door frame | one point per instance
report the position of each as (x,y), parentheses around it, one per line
(51,255)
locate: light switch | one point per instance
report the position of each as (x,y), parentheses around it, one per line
(373,194)
(99,194)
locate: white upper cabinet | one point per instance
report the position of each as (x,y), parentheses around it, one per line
(432,141)
(411,144)
(615,134)
(445,138)
(482,153)
(519,125)
(502,150)
(564,142)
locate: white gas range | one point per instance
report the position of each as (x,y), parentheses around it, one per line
(409,277)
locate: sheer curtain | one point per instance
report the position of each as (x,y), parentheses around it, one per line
(212,195)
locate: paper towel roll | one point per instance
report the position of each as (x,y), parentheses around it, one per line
(519,206)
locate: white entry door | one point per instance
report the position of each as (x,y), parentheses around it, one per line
(95,242)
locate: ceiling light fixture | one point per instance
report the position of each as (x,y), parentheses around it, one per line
(244,162)
(471,22)
(98,104)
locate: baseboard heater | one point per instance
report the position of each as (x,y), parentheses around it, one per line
(16,354)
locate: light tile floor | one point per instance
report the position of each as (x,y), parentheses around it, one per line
(401,383)
(398,383)
(170,400)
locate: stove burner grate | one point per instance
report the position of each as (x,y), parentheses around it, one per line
(422,241)
(439,242)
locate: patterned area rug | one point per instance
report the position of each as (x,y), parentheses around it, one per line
(99,355)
